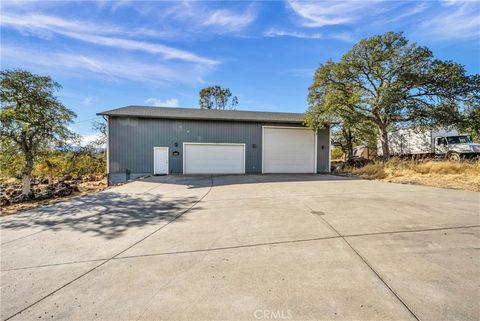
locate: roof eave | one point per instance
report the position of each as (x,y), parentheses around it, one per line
(199,118)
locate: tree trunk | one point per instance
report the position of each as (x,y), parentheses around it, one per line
(384,141)
(349,137)
(27,176)
(26,184)
(50,172)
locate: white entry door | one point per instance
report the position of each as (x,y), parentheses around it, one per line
(205,158)
(289,150)
(160,160)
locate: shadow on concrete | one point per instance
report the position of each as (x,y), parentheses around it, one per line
(199,181)
(104,214)
(110,214)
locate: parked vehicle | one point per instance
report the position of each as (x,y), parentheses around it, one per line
(436,142)
(363,151)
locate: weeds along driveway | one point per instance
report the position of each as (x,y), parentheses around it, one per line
(245,248)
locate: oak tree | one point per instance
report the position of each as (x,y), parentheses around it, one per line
(32,118)
(389,82)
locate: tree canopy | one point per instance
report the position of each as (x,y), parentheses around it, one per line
(31,117)
(388,82)
(216,97)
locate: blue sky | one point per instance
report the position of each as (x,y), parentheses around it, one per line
(108,54)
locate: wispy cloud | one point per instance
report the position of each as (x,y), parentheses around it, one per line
(30,5)
(278,32)
(198,17)
(402,15)
(458,20)
(325,13)
(88,65)
(112,5)
(275,32)
(84,31)
(89,138)
(87,101)
(172,102)
(447,19)
(165,51)
(36,22)
(230,20)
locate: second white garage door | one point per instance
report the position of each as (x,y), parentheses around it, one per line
(203,158)
(289,150)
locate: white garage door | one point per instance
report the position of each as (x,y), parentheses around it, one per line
(199,158)
(289,150)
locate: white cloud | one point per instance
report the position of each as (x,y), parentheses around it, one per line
(325,13)
(196,17)
(34,22)
(112,5)
(447,19)
(44,25)
(88,138)
(451,2)
(276,32)
(229,20)
(127,44)
(87,101)
(30,4)
(459,20)
(173,102)
(402,16)
(105,67)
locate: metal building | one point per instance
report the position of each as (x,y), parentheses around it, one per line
(162,140)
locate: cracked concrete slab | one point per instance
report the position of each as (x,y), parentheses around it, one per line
(98,236)
(412,209)
(21,288)
(103,225)
(436,273)
(309,280)
(249,243)
(242,222)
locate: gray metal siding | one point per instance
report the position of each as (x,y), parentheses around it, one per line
(131,142)
(323,150)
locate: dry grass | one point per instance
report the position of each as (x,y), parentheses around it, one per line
(446,174)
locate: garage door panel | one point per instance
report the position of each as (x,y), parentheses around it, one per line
(214,158)
(289,150)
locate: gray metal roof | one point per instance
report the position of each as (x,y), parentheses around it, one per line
(204,114)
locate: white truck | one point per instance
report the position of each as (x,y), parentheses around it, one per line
(446,143)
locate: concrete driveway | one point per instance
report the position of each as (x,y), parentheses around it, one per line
(272,247)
